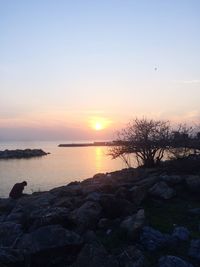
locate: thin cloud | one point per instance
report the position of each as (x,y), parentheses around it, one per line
(190,81)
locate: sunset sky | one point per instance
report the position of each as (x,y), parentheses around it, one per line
(80,70)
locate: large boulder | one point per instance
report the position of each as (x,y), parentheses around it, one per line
(116,207)
(194,250)
(137,194)
(87,215)
(131,257)
(171,179)
(181,233)
(94,256)
(51,215)
(7,204)
(153,239)
(11,257)
(133,224)
(173,261)
(162,190)
(10,232)
(193,183)
(48,237)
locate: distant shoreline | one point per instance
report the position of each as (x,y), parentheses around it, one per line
(111,143)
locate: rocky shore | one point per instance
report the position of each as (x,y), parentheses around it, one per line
(128,218)
(22,153)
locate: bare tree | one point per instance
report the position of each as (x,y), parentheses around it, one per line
(146,139)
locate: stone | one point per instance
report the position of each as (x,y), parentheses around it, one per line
(137,194)
(52,215)
(193,183)
(94,255)
(12,257)
(173,261)
(7,204)
(162,190)
(116,207)
(171,179)
(195,211)
(87,215)
(133,224)
(104,223)
(181,233)
(194,250)
(94,196)
(10,232)
(48,237)
(131,257)
(153,239)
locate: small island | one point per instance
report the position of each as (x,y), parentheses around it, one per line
(22,153)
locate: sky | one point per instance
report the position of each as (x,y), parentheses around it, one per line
(81,70)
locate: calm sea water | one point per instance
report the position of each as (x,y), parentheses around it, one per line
(60,167)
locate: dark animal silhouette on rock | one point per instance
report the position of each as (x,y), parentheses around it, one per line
(17,190)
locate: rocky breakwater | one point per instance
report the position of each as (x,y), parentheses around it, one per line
(128,218)
(22,153)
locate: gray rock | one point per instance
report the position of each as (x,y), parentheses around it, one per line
(194,250)
(104,223)
(172,261)
(153,239)
(7,204)
(10,232)
(94,196)
(52,215)
(195,211)
(133,224)
(171,179)
(162,190)
(48,237)
(137,194)
(87,215)
(181,233)
(131,257)
(116,207)
(193,183)
(94,255)
(11,256)
(21,153)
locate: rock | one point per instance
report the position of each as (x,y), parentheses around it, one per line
(122,192)
(133,224)
(7,204)
(94,255)
(194,250)
(13,257)
(162,190)
(87,215)
(67,191)
(137,194)
(94,196)
(181,233)
(116,207)
(193,183)
(104,223)
(195,211)
(131,257)
(173,261)
(171,179)
(52,215)
(153,239)
(48,237)
(10,232)
(19,153)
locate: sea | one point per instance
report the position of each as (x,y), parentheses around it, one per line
(62,166)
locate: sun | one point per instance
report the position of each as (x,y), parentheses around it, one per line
(98,126)
(99,123)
